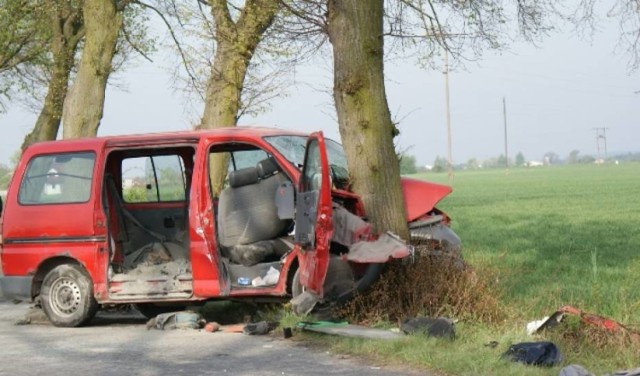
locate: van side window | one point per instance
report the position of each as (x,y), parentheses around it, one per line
(57,179)
(153,179)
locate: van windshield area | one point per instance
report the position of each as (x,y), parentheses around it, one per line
(293,149)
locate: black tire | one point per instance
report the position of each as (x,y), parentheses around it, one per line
(371,275)
(151,310)
(67,296)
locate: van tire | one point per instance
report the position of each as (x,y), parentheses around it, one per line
(371,274)
(67,296)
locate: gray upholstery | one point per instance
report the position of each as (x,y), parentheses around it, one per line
(248,213)
(267,167)
(242,177)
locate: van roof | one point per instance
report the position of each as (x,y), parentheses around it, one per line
(95,143)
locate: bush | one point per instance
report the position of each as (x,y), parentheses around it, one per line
(429,285)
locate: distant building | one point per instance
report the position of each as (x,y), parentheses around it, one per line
(534,164)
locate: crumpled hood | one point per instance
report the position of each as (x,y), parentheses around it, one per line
(420,197)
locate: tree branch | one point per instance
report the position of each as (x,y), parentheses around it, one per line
(191,75)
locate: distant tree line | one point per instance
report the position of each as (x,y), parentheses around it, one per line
(409,165)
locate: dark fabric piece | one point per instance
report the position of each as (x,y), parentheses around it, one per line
(260,328)
(177,320)
(251,254)
(534,353)
(242,177)
(438,327)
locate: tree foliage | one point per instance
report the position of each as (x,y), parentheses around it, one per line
(520,160)
(23,45)
(439,164)
(408,164)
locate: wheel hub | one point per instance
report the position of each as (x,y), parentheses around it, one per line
(65,296)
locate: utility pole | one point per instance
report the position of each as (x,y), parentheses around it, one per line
(601,134)
(448,115)
(506,148)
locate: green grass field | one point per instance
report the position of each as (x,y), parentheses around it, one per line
(550,236)
(556,236)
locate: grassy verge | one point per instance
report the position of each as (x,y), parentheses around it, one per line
(547,237)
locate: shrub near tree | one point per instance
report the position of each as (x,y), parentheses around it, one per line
(408,164)
(5,176)
(439,165)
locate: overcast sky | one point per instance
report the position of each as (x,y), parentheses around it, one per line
(556,94)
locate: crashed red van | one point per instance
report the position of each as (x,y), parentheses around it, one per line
(134,219)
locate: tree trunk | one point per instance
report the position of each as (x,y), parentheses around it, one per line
(67,30)
(236,44)
(84,104)
(356,34)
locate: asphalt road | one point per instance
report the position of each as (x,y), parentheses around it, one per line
(121,345)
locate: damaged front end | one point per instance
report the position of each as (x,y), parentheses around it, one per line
(428,226)
(435,233)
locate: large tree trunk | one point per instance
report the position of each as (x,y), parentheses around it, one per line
(85,102)
(67,30)
(355,31)
(236,44)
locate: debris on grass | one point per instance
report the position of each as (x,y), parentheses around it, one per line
(598,328)
(177,320)
(345,329)
(260,328)
(432,327)
(534,353)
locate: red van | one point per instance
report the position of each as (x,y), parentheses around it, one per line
(134,219)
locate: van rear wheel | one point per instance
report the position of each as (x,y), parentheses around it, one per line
(67,296)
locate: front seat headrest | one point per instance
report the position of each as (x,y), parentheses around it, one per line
(242,177)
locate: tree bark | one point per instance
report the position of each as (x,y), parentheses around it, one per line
(83,107)
(67,30)
(236,44)
(355,30)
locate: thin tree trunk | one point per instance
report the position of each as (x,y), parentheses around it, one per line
(84,104)
(355,31)
(236,44)
(67,30)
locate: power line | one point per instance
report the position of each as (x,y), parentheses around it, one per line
(601,135)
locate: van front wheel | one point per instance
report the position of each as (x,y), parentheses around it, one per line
(67,296)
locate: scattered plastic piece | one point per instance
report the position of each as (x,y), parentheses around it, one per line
(270,279)
(346,330)
(588,318)
(575,370)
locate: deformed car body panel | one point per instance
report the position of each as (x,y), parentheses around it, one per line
(421,197)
